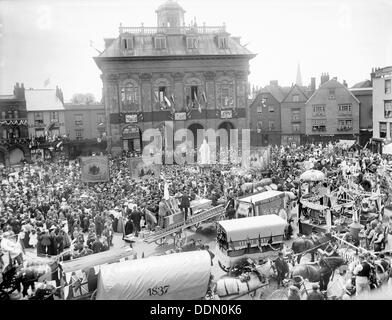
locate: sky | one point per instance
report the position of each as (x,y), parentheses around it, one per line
(44,39)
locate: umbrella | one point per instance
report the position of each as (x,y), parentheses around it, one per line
(312,175)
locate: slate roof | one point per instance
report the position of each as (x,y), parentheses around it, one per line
(332,84)
(175,46)
(363,84)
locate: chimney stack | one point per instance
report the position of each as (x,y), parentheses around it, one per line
(313,84)
(273,82)
(19,91)
(345,83)
(324,78)
(59,94)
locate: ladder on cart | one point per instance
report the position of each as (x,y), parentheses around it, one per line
(193,221)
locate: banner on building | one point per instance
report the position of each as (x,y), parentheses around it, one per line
(260,158)
(95,169)
(139,169)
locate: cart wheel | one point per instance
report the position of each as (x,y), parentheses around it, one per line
(280,294)
(160,242)
(223,267)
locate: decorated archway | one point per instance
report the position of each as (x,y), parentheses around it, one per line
(132,138)
(227,126)
(194,127)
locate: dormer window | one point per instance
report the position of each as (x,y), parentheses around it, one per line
(223,42)
(160,43)
(192,43)
(127,43)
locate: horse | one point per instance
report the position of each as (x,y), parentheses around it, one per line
(318,273)
(310,244)
(29,274)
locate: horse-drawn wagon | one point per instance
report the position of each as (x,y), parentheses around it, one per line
(179,276)
(252,237)
(262,203)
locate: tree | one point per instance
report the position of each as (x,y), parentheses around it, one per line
(83,98)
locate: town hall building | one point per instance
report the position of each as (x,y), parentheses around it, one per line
(188,76)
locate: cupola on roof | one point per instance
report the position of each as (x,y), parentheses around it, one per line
(170,5)
(170,14)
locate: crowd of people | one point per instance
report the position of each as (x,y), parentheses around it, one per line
(46,207)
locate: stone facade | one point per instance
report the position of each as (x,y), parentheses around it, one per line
(148,88)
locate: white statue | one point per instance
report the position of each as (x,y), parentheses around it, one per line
(205,155)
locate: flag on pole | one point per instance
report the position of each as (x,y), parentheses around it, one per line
(50,126)
(204,97)
(197,101)
(167,101)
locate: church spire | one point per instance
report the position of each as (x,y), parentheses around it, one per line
(298,82)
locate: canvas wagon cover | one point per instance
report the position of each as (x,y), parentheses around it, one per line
(253,227)
(182,276)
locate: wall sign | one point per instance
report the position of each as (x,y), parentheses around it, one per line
(226,114)
(180,116)
(130,118)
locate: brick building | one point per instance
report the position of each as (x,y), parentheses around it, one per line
(332,112)
(14,139)
(265,115)
(85,128)
(293,113)
(193,77)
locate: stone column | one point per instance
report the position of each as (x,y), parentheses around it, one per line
(112,107)
(178,90)
(210,89)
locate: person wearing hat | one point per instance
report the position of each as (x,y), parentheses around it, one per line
(293,293)
(282,268)
(315,294)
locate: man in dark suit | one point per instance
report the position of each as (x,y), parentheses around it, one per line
(136,216)
(185,204)
(282,268)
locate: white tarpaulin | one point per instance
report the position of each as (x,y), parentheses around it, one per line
(253,227)
(177,276)
(387,149)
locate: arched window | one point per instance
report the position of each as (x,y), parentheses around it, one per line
(225,93)
(195,97)
(130,97)
(163,96)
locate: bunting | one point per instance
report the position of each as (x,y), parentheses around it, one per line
(13,122)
